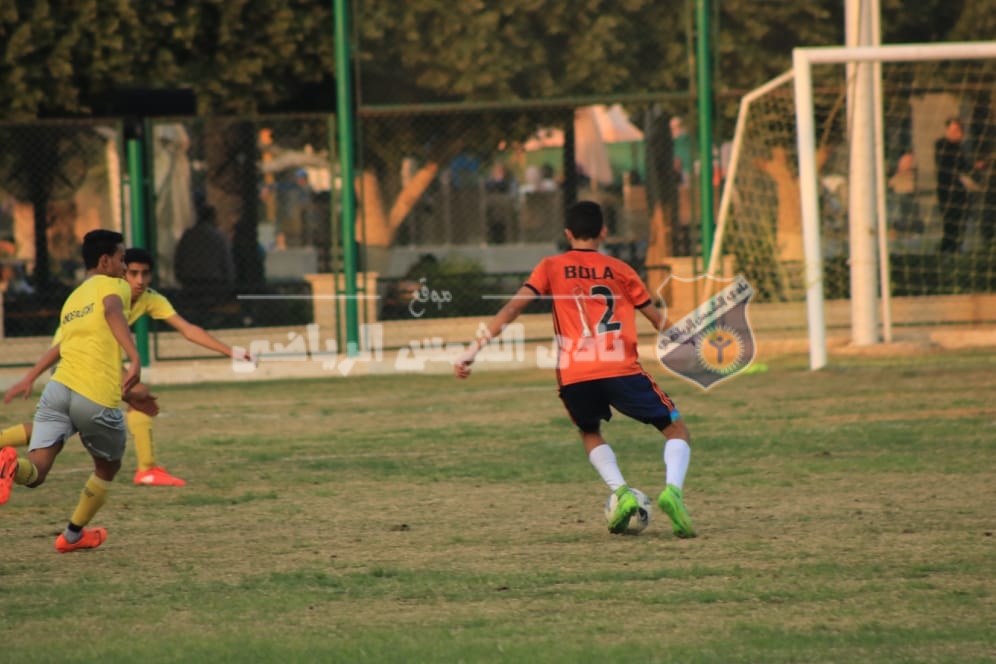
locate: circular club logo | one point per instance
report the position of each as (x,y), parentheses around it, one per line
(721,350)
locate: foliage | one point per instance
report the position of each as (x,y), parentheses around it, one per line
(246,55)
(58,57)
(517,49)
(239,55)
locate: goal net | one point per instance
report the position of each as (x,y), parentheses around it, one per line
(938,189)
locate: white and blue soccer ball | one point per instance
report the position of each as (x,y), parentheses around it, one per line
(639,521)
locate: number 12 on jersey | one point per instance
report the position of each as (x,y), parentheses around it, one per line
(605,323)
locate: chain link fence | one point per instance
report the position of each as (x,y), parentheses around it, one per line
(58,180)
(242,213)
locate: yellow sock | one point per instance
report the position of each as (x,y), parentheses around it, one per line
(140,426)
(16,435)
(91,500)
(26,472)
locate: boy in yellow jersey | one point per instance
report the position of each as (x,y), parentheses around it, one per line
(138,273)
(139,264)
(85,391)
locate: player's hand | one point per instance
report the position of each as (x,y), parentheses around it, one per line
(142,400)
(22,387)
(461,366)
(243,355)
(131,378)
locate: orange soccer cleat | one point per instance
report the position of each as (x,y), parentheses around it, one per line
(8,468)
(91,538)
(157,476)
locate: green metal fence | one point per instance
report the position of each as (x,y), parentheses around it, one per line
(462,199)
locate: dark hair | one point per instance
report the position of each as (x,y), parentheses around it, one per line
(206,214)
(954,119)
(138,255)
(100,242)
(584,220)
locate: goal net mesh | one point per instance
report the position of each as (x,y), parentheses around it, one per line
(940,193)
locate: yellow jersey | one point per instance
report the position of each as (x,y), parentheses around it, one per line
(90,357)
(153,303)
(150,302)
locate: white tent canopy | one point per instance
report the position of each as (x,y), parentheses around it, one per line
(595,127)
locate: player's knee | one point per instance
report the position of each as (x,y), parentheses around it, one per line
(106,470)
(39,479)
(677,429)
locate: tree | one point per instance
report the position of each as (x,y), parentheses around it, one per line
(59,56)
(54,55)
(242,56)
(435,50)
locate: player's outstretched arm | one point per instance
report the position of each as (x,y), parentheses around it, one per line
(653,314)
(512,309)
(24,386)
(198,335)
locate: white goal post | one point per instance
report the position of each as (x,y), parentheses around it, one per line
(803,59)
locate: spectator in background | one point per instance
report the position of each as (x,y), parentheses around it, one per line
(464,171)
(531,180)
(539,178)
(682,149)
(294,227)
(986,163)
(500,181)
(63,245)
(663,179)
(681,141)
(500,205)
(548,181)
(905,215)
(203,260)
(14,280)
(953,181)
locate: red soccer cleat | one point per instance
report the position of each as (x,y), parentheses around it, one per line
(8,468)
(91,539)
(157,476)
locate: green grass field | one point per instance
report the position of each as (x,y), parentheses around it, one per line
(844,516)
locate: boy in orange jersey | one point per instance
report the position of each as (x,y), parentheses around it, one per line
(595,298)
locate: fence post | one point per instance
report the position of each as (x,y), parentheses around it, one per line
(134,130)
(344,115)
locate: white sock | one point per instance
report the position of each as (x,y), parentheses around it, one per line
(676,455)
(604,461)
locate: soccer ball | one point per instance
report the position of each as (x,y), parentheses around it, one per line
(639,521)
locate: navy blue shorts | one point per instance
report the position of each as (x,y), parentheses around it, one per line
(636,396)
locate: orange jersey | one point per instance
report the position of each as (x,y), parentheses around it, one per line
(595,298)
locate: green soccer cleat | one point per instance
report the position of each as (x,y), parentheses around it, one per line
(670,503)
(626,507)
